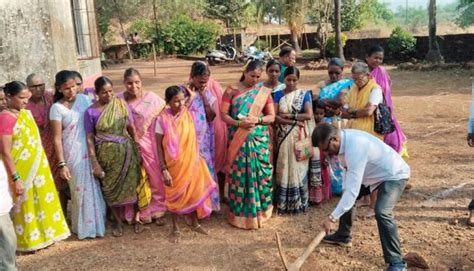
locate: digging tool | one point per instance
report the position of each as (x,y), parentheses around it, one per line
(295,266)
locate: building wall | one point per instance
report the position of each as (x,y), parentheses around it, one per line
(39,36)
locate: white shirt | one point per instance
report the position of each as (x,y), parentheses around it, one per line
(470,123)
(6,201)
(368,161)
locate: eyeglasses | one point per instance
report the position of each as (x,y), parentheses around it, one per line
(359,77)
(37,86)
(326,149)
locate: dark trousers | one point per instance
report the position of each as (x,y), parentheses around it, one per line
(388,194)
(471,205)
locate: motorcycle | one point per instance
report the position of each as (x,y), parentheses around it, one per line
(253,53)
(225,53)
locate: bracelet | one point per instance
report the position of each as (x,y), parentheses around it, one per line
(238,123)
(61,164)
(15,177)
(354,114)
(260,120)
(332,219)
(296,116)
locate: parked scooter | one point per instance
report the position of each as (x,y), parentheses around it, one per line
(253,53)
(224,53)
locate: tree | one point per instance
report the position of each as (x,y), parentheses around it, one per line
(294,16)
(434,55)
(466,13)
(337,20)
(234,13)
(321,13)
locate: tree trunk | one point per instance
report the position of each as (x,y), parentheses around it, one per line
(294,41)
(155,18)
(434,55)
(337,19)
(117,9)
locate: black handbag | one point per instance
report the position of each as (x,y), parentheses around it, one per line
(383,123)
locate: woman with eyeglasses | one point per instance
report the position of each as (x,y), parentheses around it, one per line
(332,94)
(39,104)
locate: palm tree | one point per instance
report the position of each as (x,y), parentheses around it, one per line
(337,20)
(294,16)
(434,55)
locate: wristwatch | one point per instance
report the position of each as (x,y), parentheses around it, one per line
(332,219)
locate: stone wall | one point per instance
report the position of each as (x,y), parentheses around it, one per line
(38,36)
(454,48)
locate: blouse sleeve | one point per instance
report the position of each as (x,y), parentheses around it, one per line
(89,125)
(226,100)
(277,96)
(158,128)
(376,96)
(55,112)
(8,123)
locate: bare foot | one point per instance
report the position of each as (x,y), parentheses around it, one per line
(175,236)
(200,230)
(368,214)
(470,219)
(138,228)
(362,203)
(159,221)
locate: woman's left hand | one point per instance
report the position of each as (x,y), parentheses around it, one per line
(19,187)
(286,115)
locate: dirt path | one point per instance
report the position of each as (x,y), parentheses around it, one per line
(433,110)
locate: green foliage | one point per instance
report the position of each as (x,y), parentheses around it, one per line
(234,13)
(331,43)
(185,36)
(466,13)
(144,27)
(357,14)
(268,9)
(261,44)
(401,43)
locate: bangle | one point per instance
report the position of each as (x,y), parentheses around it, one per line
(15,177)
(260,120)
(238,123)
(61,164)
(332,219)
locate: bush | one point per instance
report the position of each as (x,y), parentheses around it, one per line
(401,43)
(144,27)
(185,36)
(331,44)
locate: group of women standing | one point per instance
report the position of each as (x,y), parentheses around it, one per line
(105,146)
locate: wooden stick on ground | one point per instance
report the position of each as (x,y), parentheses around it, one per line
(295,266)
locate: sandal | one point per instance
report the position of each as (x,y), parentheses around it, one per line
(117,231)
(175,236)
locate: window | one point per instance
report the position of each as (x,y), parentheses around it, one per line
(83,15)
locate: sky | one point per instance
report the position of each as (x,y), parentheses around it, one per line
(415,3)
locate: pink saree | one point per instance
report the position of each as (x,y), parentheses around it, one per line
(220,128)
(144,113)
(397,139)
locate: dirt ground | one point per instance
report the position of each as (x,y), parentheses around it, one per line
(432,108)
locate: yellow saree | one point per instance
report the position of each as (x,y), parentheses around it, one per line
(38,217)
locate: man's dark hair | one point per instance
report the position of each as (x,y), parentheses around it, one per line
(323,133)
